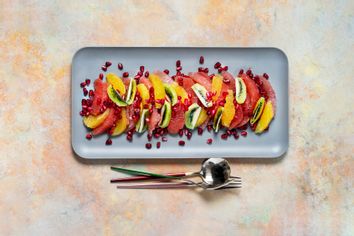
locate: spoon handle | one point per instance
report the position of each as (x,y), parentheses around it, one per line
(146,177)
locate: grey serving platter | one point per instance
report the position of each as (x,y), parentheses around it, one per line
(274,143)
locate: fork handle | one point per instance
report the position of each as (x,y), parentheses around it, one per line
(145,177)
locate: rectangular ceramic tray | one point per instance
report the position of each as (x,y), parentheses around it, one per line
(87,62)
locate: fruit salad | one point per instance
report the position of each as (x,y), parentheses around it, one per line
(160,104)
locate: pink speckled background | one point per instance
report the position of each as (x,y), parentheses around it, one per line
(46,190)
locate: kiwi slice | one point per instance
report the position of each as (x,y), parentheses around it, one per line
(217,119)
(115,96)
(171,93)
(192,115)
(241,90)
(166,111)
(131,92)
(141,125)
(257,111)
(201,93)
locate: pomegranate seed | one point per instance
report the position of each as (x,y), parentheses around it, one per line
(129,138)
(200,69)
(89,136)
(201,60)
(147,74)
(221,103)
(142,68)
(225,68)
(104,68)
(209,127)
(251,75)
(156,135)
(209,141)
(158,144)
(180,132)
(236,136)
(244,133)
(217,65)
(265,75)
(234,131)
(189,135)
(149,137)
(224,136)
(148,146)
(91,93)
(164,139)
(186,131)
(178,73)
(200,131)
(84,90)
(228,132)
(82,84)
(125,74)
(178,63)
(108,64)
(99,100)
(109,141)
(120,66)
(166,72)
(206,70)
(83,102)
(179,68)
(244,127)
(248,72)
(220,69)
(181,143)
(211,76)
(240,72)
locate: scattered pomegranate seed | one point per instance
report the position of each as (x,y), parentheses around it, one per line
(209,127)
(100,76)
(179,68)
(201,60)
(82,84)
(209,141)
(164,139)
(224,136)
(225,68)
(166,72)
(206,70)
(142,68)
(181,143)
(244,133)
(211,76)
(91,93)
(148,146)
(189,135)
(109,141)
(156,135)
(236,136)
(265,75)
(87,81)
(108,64)
(104,68)
(217,65)
(248,72)
(83,102)
(220,69)
(200,131)
(158,144)
(180,132)
(178,63)
(82,113)
(147,74)
(129,138)
(89,136)
(84,90)
(125,74)
(200,69)
(240,72)
(228,132)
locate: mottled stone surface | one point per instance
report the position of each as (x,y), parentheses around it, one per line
(45,190)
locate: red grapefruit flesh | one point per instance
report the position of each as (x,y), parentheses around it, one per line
(146,82)
(269,92)
(177,120)
(187,85)
(229,77)
(202,79)
(107,123)
(99,97)
(154,119)
(252,95)
(164,77)
(238,117)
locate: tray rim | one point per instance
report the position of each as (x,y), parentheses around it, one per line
(282,153)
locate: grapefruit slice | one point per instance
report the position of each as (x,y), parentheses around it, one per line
(164,77)
(99,97)
(187,85)
(177,120)
(202,79)
(252,95)
(107,123)
(229,77)
(146,82)
(269,92)
(238,117)
(154,119)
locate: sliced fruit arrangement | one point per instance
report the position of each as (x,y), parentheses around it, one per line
(160,104)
